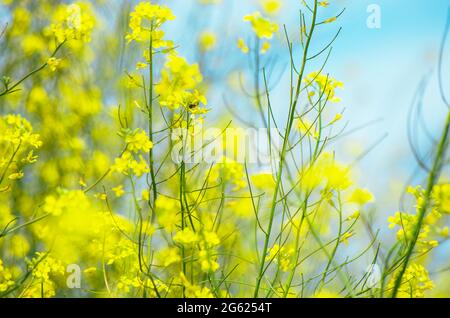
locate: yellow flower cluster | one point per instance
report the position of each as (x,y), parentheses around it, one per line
(282,255)
(415,282)
(431,228)
(441,198)
(228,170)
(324,85)
(179,84)
(262,27)
(6,280)
(74,21)
(17,145)
(194,291)
(45,270)
(326,173)
(132,160)
(65,201)
(145,23)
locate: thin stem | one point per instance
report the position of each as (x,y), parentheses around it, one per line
(290,121)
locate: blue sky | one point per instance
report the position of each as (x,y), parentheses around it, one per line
(381,69)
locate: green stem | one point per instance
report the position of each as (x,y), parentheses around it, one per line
(40,68)
(152,199)
(432,179)
(290,121)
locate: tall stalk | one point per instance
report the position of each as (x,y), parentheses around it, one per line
(289,124)
(433,177)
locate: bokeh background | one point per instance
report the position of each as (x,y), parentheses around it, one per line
(381,69)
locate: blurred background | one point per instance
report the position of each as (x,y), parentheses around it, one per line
(382,70)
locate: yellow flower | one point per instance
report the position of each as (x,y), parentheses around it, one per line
(145,195)
(344,238)
(186,236)
(265,47)
(324,293)
(168,256)
(415,282)
(145,21)
(167,213)
(207,261)
(211,238)
(207,41)
(282,256)
(138,141)
(242,46)
(194,291)
(307,128)
(271,6)
(126,164)
(441,197)
(53,63)
(118,191)
(325,84)
(6,278)
(336,118)
(262,27)
(74,21)
(353,216)
(263,180)
(361,196)
(178,84)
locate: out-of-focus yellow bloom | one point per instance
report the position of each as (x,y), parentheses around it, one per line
(6,280)
(118,191)
(242,46)
(74,21)
(361,196)
(415,282)
(207,41)
(344,238)
(168,213)
(271,6)
(281,255)
(307,128)
(265,47)
(53,63)
(207,261)
(45,269)
(326,172)
(186,236)
(194,291)
(262,27)
(263,180)
(168,256)
(325,293)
